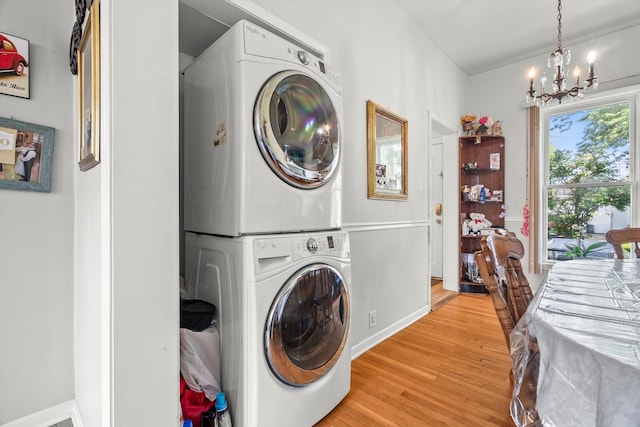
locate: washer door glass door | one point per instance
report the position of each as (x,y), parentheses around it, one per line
(307,325)
(297,129)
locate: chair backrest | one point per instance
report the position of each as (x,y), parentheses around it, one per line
(626,235)
(501,269)
(507,251)
(496,288)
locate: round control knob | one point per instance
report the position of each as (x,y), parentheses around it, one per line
(303,57)
(312,245)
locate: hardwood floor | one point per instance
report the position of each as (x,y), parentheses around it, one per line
(450,368)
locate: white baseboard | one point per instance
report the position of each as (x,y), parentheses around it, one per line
(385,333)
(50,416)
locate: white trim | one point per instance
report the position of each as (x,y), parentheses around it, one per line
(106,230)
(375,226)
(360,348)
(513,218)
(50,416)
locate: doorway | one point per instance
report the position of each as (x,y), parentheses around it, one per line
(435,205)
(443,212)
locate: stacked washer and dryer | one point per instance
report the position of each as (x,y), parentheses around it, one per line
(262,217)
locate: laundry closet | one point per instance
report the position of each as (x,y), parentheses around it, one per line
(261,128)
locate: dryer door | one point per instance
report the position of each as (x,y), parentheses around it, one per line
(297,129)
(307,326)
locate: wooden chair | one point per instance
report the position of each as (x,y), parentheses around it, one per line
(506,252)
(497,290)
(501,269)
(625,235)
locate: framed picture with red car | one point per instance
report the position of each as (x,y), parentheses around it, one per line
(14,66)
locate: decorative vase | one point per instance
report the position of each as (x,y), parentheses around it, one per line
(467,127)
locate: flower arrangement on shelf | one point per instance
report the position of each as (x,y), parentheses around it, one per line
(467,123)
(484,124)
(469,118)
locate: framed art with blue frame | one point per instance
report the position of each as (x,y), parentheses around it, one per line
(26,151)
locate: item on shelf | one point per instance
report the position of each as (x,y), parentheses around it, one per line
(477,222)
(470,165)
(478,193)
(465,193)
(474,193)
(496,196)
(485,123)
(465,227)
(467,123)
(494,161)
(470,268)
(487,231)
(496,129)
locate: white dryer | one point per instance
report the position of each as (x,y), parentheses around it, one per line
(283,315)
(262,137)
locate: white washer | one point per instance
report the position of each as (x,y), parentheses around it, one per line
(283,316)
(262,137)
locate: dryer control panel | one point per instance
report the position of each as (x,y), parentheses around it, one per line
(260,42)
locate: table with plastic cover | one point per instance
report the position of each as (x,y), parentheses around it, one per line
(584,322)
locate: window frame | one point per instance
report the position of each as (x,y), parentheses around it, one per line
(630,95)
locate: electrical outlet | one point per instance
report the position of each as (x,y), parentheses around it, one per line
(372,319)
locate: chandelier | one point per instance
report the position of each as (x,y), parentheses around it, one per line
(557,61)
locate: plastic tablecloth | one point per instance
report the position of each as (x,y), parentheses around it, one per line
(583,329)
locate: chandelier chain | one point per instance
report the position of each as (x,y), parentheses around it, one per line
(560,25)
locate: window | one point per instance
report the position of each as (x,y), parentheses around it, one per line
(590,176)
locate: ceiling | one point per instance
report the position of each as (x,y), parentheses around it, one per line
(481,35)
(477,35)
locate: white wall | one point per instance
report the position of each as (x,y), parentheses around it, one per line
(36,229)
(144,131)
(382,56)
(500,94)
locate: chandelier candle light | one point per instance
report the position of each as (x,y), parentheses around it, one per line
(558,59)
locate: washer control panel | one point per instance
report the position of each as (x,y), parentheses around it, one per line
(275,252)
(327,244)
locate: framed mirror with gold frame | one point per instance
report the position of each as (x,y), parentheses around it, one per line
(386,154)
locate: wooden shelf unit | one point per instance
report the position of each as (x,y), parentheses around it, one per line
(476,168)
